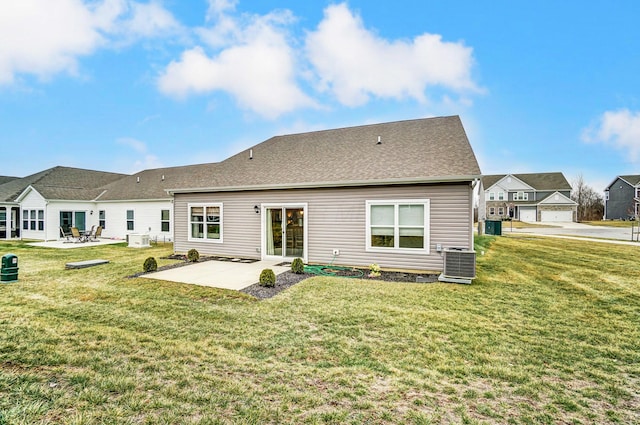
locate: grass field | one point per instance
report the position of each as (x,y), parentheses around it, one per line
(612,223)
(549,333)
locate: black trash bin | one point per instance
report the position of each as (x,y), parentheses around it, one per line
(9,269)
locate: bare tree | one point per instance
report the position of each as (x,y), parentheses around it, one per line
(590,203)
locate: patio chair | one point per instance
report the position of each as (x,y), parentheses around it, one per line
(76,235)
(65,236)
(97,234)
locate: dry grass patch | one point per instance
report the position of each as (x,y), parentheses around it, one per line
(548,333)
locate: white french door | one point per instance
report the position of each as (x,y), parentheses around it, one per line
(284,231)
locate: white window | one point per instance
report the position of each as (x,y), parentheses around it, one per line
(164,220)
(492,196)
(500,196)
(205,222)
(606,195)
(130,220)
(398,225)
(500,211)
(520,196)
(102,219)
(492,211)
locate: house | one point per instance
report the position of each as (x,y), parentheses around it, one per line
(36,206)
(396,194)
(535,197)
(622,198)
(139,203)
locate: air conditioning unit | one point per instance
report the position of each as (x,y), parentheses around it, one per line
(459,265)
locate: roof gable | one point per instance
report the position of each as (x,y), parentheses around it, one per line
(557,198)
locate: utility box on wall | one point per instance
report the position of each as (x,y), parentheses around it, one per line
(493,227)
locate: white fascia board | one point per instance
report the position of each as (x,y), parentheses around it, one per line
(315,185)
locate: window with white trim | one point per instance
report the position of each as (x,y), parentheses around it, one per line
(492,210)
(500,211)
(130,220)
(492,196)
(164,220)
(205,222)
(398,225)
(606,195)
(520,196)
(500,196)
(102,219)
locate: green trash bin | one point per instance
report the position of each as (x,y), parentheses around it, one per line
(493,227)
(9,268)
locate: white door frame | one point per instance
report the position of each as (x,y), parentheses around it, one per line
(263,230)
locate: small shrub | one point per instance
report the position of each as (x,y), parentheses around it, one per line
(193,255)
(297,266)
(150,265)
(268,278)
(374,270)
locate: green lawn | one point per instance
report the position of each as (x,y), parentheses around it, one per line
(549,333)
(612,223)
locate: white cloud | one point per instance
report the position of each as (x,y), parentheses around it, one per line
(620,129)
(355,63)
(43,38)
(144,160)
(256,66)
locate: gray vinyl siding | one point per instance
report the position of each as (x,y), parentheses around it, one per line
(336,219)
(620,204)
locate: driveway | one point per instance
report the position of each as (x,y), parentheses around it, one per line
(575,229)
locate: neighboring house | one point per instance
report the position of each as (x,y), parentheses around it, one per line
(536,197)
(139,203)
(622,198)
(395,194)
(58,197)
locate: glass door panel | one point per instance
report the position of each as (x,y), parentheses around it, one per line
(66,221)
(80,220)
(274,231)
(294,233)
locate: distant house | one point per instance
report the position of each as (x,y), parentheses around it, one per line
(395,194)
(622,198)
(536,197)
(36,206)
(39,205)
(140,203)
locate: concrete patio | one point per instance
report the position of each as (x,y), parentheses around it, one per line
(62,244)
(219,274)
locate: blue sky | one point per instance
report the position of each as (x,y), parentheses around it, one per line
(122,85)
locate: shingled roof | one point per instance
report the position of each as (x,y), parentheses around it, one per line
(428,150)
(538,181)
(633,180)
(60,183)
(5,179)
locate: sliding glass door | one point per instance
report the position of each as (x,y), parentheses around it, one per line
(285,231)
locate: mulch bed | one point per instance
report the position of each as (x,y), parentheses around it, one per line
(288,279)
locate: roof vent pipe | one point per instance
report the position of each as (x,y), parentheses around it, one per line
(379,140)
(137,179)
(250,153)
(163,177)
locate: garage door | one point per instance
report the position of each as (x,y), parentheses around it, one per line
(527,214)
(562,216)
